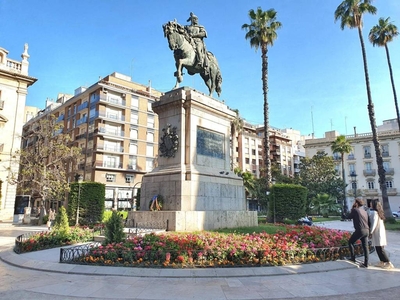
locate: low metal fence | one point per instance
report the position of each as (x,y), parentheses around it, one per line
(21,239)
(84,255)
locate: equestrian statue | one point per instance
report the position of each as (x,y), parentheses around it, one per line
(190,52)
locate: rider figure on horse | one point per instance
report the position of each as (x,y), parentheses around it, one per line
(198,33)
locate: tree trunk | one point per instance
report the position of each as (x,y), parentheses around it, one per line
(378,153)
(393,86)
(345,207)
(267,159)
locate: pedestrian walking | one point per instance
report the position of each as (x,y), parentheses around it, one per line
(378,234)
(52,217)
(361,230)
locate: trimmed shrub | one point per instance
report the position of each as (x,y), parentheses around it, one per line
(114,230)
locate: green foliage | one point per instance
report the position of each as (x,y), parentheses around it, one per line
(324,204)
(287,201)
(114,229)
(319,176)
(61,222)
(91,202)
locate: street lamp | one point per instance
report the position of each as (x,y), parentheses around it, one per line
(79,179)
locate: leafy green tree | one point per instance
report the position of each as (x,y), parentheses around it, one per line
(318,175)
(248,182)
(324,204)
(114,230)
(44,160)
(279,177)
(342,145)
(380,35)
(350,13)
(262,33)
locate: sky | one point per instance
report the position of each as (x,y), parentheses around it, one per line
(315,70)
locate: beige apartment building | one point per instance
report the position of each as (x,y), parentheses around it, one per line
(113,123)
(14,83)
(362,161)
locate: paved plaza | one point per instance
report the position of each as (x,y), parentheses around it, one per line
(39,275)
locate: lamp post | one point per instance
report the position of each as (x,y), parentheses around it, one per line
(353,176)
(79,179)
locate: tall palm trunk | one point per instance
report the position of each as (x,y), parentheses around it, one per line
(378,153)
(393,87)
(264,70)
(345,206)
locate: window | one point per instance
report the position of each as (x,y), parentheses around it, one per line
(253,152)
(135,102)
(389,184)
(149,164)
(132,162)
(133,133)
(133,148)
(371,185)
(368,166)
(149,150)
(149,107)
(129,178)
(110,177)
(150,121)
(385,150)
(247,160)
(352,168)
(386,165)
(134,117)
(367,152)
(246,150)
(150,136)
(336,156)
(354,185)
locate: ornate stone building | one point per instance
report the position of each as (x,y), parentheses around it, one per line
(14,83)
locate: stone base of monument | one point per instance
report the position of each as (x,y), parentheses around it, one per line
(194,176)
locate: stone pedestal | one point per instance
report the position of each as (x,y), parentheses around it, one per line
(193,175)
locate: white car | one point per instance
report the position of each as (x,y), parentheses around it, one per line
(396,214)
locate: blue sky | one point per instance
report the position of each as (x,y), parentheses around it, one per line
(316,77)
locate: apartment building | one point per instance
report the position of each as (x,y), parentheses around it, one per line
(362,161)
(113,123)
(14,83)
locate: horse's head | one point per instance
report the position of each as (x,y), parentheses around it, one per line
(172,31)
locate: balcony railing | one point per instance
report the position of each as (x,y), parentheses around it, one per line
(367,155)
(131,166)
(110,148)
(392,191)
(112,116)
(371,192)
(81,121)
(113,100)
(389,171)
(105,164)
(385,154)
(116,132)
(83,106)
(351,157)
(371,172)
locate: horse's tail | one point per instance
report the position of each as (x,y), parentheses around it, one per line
(218,82)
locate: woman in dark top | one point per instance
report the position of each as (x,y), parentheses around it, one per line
(360,222)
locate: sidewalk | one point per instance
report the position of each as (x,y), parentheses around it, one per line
(329,279)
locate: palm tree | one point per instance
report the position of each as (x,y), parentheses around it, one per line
(380,35)
(350,13)
(342,145)
(236,128)
(262,32)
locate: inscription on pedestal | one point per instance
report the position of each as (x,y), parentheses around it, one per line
(210,143)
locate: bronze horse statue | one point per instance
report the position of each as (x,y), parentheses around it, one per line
(185,56)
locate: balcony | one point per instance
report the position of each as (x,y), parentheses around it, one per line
(112,100)
(81,121)
(113,132)
(351,157)
(131,166)
(367,155)
(385,154)
(83,106)
(392,192)
(109,148)
(101,164)
(111,116)
(371,192)
(389,171)
(371,172)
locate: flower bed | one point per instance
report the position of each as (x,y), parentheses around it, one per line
(51,239)
(296,244)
